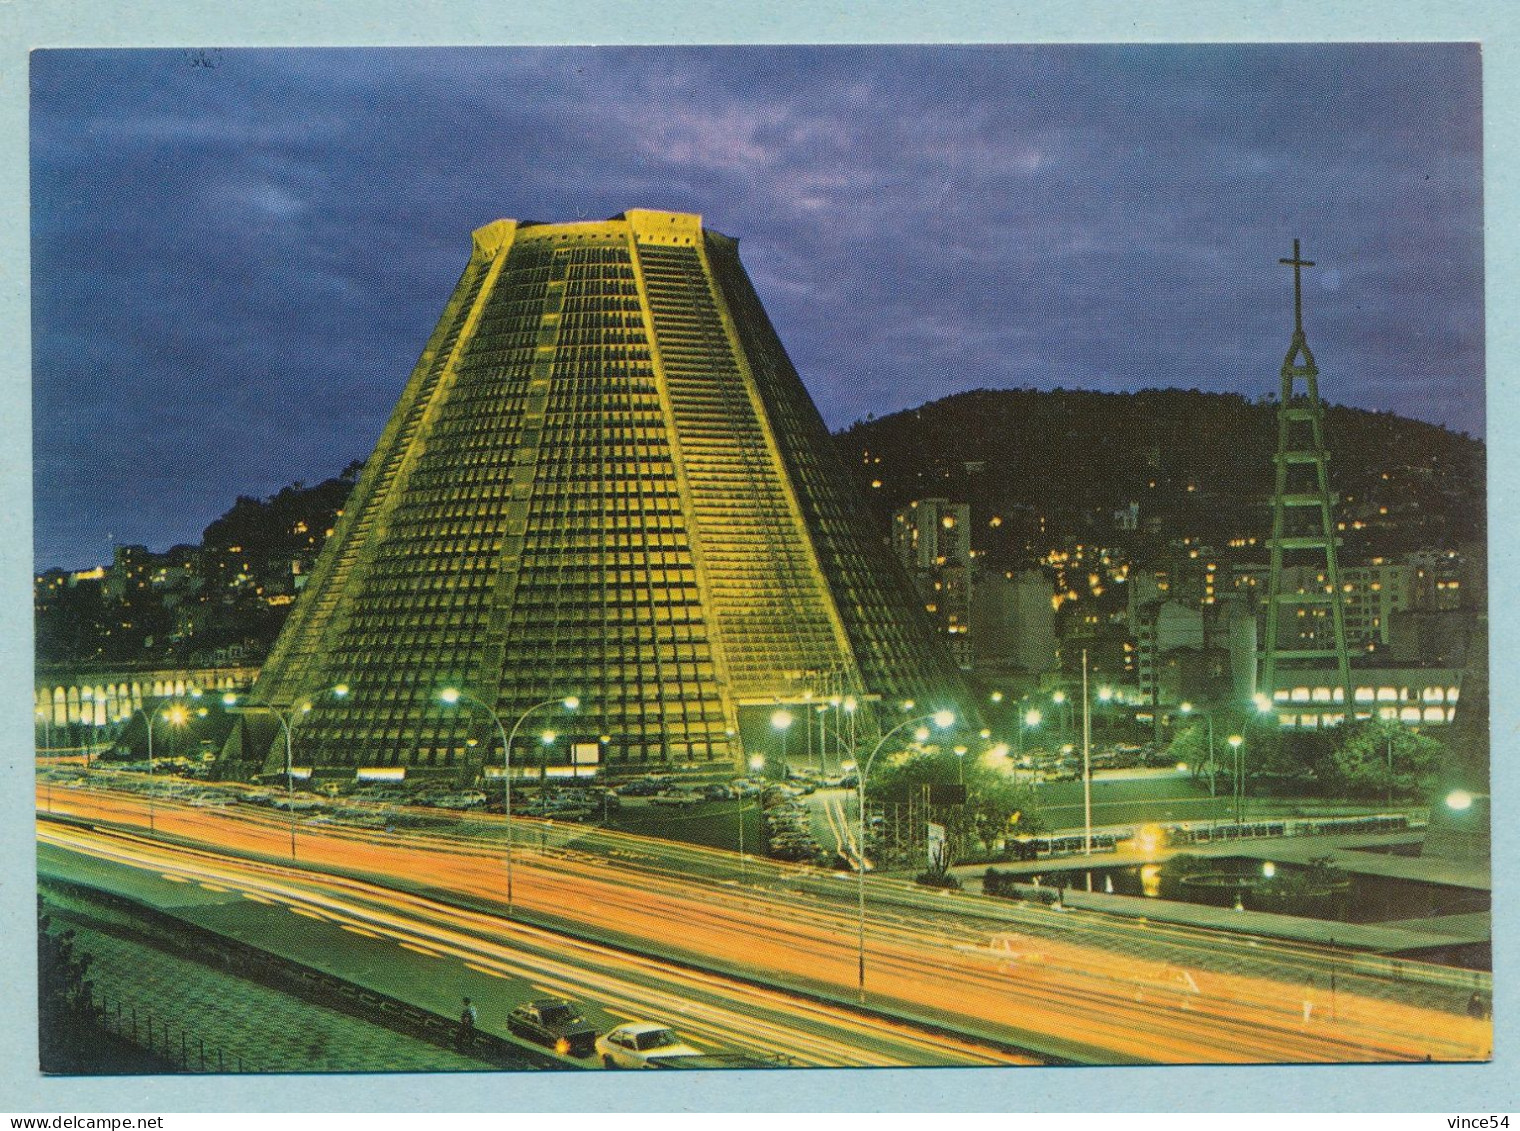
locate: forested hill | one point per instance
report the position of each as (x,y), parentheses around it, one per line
(1198,464)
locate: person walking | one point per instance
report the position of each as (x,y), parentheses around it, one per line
(467,1018)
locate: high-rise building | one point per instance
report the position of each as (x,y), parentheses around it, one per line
(1014,626)
(932,538)
(603,479)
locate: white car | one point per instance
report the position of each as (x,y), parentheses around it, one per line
(637,1043)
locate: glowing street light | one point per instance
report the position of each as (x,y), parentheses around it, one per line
(1208,717)
(286,720)
(176,715)
(1030,719)
(1236,741)
(781,720)
(452,696)
(941,719)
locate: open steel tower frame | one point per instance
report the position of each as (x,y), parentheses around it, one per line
(1306,625)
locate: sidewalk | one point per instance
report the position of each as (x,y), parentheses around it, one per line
(265,1030)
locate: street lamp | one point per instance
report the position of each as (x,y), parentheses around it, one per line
(451,696)
(1031,719)
(87,697)
(1208,718)
(176,715)
(230,700)
(1086,767)
(942,719)
(781,720)
(1238,761)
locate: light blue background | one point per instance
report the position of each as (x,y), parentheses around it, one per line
(37,23)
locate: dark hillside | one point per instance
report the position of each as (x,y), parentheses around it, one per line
(1048,465)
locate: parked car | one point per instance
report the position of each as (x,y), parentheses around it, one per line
(641,787)
(554,1023)
(680,797)
(636,1043)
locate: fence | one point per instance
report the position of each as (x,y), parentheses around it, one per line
(188,1051)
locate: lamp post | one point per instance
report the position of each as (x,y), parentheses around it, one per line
(451,696)
(87,731)
(1208,718)
(1030,718)
(781,720)
(546,739)
(177,716)
(942,719)
(1238,762)
(230,700)
(1086,768)
(290,773)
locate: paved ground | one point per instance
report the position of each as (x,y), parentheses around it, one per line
(257,1029)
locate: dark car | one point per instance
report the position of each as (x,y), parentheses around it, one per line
(642,787)
(553,1023)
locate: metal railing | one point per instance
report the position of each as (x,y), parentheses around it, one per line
(182,1047)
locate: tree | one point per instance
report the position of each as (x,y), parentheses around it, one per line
(1380,758)
(65,998)
(993,796)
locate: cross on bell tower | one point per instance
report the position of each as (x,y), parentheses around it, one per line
(1306,668)
(1298,289)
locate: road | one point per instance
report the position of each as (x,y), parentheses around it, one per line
(422,947)
(1109,995)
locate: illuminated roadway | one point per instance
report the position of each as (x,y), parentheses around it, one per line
(719,1014)
(1099,992)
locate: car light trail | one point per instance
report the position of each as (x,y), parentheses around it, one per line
(1096,996)
(446,931)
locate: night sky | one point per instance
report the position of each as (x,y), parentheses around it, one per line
(238,255)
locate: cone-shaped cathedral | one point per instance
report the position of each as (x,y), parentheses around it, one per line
(604,479)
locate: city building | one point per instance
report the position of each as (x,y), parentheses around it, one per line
(1013,626)
(130,573)
(932,538)
(604,479)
